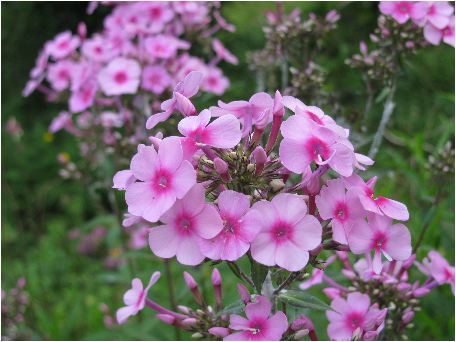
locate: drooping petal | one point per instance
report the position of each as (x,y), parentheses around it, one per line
(399,242)
(360,237)
(144,163)
(122,314)
(122,179)
(393,209)
(155,119)
(224,132)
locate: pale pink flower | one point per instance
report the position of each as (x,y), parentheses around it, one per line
(188,221)
(164,46)
(162,178)
(224,132)
(240,227)
(111,119)
(379,205)
(380,235)
(40,64)
(61,121)
(223,53)
(399,10)
(287,233)
(155,78)
(120,76)
(259,324)
(139,237)
(135,298)
(83,97)
(158,14)
(59,74)
(343,209)
(257,111)
(180,100)
(214,81)
(437,267)
(437,13)
(305,142)
(97,49)
(353,315)
(434,35)
(62,45)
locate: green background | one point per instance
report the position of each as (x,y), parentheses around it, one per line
(39,208)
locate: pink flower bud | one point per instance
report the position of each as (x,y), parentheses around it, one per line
(408,316)
(420,292)
(302,322)
(370,335)
(363,47)
(189,322)
(331,292)
(332,16)
(219,331)
(220,166)
(278,109)
(21,282)
(216,277)
(82,31)
(409,262)
(183,309)
(190,281)
(243,293)
(168,319)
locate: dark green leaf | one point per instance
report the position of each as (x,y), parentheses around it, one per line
(259,273)
(301,299)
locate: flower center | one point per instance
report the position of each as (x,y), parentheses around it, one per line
(64,74)
(163,181)
(379,241)
(63,45)
(355,320)
(281,231)
(341,212)
(317,149)
(120,77)
(155,12)
(185,224)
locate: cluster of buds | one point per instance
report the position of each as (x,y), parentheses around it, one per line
(291,48)
(441,163)
(391,289)
(14,305)
(112,80)
(68,169)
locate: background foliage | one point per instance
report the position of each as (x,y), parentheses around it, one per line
(39,208)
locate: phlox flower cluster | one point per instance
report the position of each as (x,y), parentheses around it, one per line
(112,78)
(393,292)
(275,181)
(14,307)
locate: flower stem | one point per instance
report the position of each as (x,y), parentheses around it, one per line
(171,296)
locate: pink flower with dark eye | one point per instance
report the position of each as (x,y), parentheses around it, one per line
(162,178)
(434,35)
(97,49)
(214,81)
(135,298)
(62,45)
(59,74)
(399,10)
(305,142)
(259,324)
(189,221)
(436,13)
(379,205)
(343,209)
(437,267)
(120,76)
(180,100)
(380,235)
(354,315)
(223,53)
(158,13)
(155,78)
(257,111)
(287,233)
(164,46)
(240,227)
(224,132)
(83,97)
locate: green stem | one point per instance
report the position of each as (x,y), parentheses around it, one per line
(171,296)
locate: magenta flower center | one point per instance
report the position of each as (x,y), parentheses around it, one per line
(120,77)
(162,181)
(98,49)
(354,320)
(447,32)
(404,7)
(184,223)
(230,225)
(341,212)
(317,149)
(64,74)
(155,12)
(281,231)
(256,326)
(63,45)
(379,241)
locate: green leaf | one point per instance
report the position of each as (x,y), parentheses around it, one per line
(300,299)
(233,308)
(383,94)
(259,273)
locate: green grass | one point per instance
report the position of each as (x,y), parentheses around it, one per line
(39,208)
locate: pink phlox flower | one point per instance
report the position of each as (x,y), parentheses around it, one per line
(214,81)
(180,100)
(161,177)
(305,142)
(111,119)
(399,10)
(380,235)
(135,298)
(436,13)
(437,267)
(434,35)
(83,97)
(164,46)
(257,111)
(120,76)
(61,121)
(40,64)
(343,209)
(188,221)
(379,205)
(240,227)
(155,78)
(139,237)
(223,53)
(361,161)
(59,74)
(259,325)
(355,315)
(158,13)
(287,233)
(97,49)
(62,45)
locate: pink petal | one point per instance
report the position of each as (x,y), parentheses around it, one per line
(224,132)
(263,249)
(307,234)
(339,331)
(208,222)
(122,179)
(339,233)
(359,301)
(343,160)
(170,154)
(399,242)
(123,313)
(194,201)
(393,209)
(184,105)
(250,225)
(188,252)
(386,7)
(277,325)
(293,156)
(239,323)
(291,208)
(189,125)
(290,257)
(296,127)
(161,204)
(377,262)
(260,309)
(233,203)
(164,241)
(139,196)
(238,336)
(144,163)
(190,85)
(439,21)
(153,279)
(268,214)
(360,237)
(184,179)
(155,119)
(432,35)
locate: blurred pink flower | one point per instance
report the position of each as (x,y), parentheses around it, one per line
(62,45)
(120,76)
